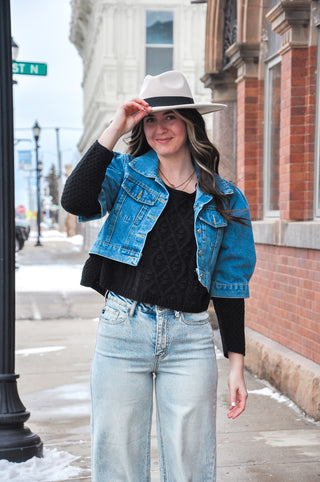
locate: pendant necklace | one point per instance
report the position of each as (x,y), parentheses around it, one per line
(184,183)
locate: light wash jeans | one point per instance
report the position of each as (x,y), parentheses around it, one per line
(138,346)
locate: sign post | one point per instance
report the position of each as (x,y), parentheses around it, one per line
(17,442)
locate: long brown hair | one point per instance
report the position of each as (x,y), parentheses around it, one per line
(203,152)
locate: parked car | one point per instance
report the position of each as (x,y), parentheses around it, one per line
(22,232)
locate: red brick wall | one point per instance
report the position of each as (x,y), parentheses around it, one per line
(250,143)
(297,127)
(297,136)
(285,298)
(285,289)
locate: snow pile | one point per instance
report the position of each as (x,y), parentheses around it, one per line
(54,235)
(269,392)
(54,466)
(59,277)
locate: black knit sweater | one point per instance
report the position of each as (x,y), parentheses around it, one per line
(165,275)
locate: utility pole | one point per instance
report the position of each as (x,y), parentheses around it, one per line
(17,442)
(60,220)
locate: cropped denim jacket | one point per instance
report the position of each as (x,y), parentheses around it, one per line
(134,195)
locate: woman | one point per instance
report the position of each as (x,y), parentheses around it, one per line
(176,236)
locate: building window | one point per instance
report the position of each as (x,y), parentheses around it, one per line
(317,139)
(159,41)
(230,28)
(272,137)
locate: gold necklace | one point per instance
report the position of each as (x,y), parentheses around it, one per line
(186,182)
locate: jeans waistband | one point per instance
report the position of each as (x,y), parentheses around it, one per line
(131,305)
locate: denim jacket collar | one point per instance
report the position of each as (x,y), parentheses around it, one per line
(147,165)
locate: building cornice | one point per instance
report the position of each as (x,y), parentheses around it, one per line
(222,84)
(81,12)
(291,19)
(245,57)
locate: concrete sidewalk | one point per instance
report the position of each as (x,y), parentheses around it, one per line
(271,440)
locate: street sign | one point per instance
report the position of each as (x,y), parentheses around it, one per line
(25,160)
(29,68)
(21,209)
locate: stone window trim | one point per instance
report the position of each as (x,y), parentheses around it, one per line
(294,234)
(268,155)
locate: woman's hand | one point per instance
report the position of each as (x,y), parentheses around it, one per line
(126,117)
(237,385)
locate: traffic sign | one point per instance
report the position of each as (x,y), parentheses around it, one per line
(21,209)
(29,68)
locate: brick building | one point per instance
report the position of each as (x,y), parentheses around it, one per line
(262,58)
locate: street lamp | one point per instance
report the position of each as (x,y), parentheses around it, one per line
(36,134)
(17,442)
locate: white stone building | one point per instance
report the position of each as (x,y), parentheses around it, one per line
(122,41)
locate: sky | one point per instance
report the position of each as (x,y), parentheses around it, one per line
(41,30)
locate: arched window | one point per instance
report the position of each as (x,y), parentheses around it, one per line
(230,28)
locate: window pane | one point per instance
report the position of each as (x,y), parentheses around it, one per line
(159,27)
(158,60)
(274,39)
(274,136)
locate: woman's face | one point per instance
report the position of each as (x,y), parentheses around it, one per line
(166,133)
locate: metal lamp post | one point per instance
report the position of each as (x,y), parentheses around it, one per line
(36,134)
(17,442)
(14,49)
(14,54)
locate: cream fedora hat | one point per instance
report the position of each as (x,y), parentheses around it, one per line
(171,90)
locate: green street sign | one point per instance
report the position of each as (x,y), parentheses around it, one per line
(29,68)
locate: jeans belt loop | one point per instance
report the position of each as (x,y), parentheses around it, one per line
(132,308)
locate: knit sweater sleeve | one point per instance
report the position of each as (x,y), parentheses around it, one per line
(83,186)
(230,315)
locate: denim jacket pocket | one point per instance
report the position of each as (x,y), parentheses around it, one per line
(139,191)
(213,218)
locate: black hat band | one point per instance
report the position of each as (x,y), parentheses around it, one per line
(166,101)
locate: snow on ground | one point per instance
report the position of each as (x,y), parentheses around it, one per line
(39,350)
(54,466)
(219,354)
(74,391)
(59,277)
(54,235)
(269,392)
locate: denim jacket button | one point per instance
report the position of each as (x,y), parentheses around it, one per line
(199,231)
(200,253)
